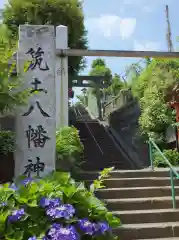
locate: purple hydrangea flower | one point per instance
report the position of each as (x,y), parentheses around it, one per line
(49,203)
(64,211)
(51,212)
(59,232)
(13,186)
(53,231)
(32,238)
(56,226)
(102,227)
(16,215)
(26,181)
(87,227)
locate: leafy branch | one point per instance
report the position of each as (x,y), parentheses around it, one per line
(99,182)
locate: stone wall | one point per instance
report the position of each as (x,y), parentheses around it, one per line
(124,123)
(92,103)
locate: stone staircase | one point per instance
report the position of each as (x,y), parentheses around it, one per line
(99,149)
(142,200)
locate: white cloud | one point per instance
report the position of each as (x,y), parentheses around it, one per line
(127,27)
(112,26)
(147,46)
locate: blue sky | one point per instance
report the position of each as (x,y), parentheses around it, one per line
(127,25)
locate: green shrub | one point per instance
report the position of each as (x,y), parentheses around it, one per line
(171,155)
(68,147)
(6,142)
(56,205)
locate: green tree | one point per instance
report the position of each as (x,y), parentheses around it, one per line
(116,85)
(4,35)
(99,68)
(54,12)
(132,73)
(6,43)
(151,87)
(10,94)
(133,70)
(147,61)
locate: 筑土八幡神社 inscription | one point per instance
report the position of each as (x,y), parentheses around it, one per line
(36,123)
(37,59)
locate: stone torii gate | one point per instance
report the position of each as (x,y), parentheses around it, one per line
(85,81)
(46,49)
(88,81)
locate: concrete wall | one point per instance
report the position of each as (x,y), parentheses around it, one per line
(124,121)
(92,103)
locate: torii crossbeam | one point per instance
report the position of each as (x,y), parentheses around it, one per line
(115,53)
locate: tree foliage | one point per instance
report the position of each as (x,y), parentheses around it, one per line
(99,68)
(4,35)
(69,148)
(10,95)
(172,156)
(53,12)
(133,71)
(7,142)
(151,87)
(116,85)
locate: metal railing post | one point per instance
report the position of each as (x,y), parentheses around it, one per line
(97,144)
(151,155)
(173,172)
(173,189)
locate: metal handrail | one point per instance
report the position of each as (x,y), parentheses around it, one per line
(112,100)
(173,172)
(97,144)
(116,97)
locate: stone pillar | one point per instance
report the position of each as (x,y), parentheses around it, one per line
(36,122)
(61,78)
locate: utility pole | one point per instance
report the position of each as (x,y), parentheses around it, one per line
(169,35)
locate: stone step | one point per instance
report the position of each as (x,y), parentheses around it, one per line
(148,216)
(163,172)
(149,230)
(100,166)
(101,163)
(136,192)
(140,203)
(137,182)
